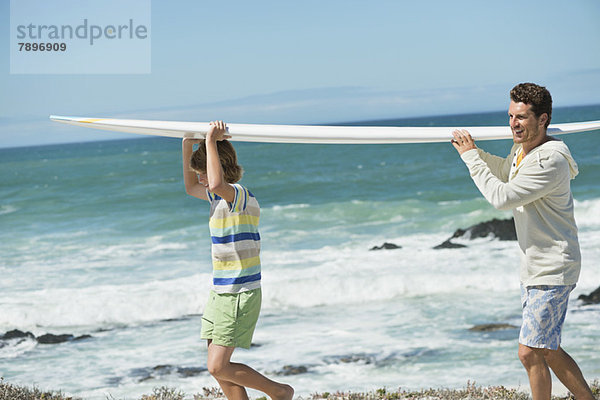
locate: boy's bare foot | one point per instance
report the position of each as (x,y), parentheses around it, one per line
(286,392)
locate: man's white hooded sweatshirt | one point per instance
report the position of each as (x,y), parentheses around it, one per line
(538,190)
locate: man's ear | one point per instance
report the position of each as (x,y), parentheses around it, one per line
(543,119)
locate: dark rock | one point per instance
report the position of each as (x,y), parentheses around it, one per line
(17,334)
(592,298)
(502,229)
(449,245)
(417,353)
(187,372)
(49,338)
(82,337)
(386,246)
(163,369)
(351,358)
(159,371)
(114,381)
(292,370)
(491,327)
(142,374)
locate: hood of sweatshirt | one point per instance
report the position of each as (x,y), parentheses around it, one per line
(559,146)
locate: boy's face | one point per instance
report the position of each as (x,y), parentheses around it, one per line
(202,178)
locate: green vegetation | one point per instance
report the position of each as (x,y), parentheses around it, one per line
(471,392)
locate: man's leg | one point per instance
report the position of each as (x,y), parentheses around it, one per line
(568,372)
(540,380)
(240,375)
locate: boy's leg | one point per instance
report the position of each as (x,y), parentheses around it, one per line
(233,391)
(230,389)
(220,366)
(568,372)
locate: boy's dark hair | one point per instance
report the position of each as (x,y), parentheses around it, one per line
(227,155)
(537,96)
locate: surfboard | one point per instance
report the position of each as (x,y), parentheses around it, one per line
(312,133)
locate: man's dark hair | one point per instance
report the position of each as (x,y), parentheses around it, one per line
(537,96)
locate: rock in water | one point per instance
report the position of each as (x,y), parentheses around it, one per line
(17,334)
(386,246)
(449,245)
(292,370)
(491,327)
(49,338)
(502,229)
(592,298)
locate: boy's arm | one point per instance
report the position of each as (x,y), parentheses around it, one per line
(214,171)
(190,179)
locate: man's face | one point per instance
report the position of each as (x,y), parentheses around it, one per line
(525,126)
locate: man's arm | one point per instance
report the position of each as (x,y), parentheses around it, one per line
(190,179)
(500,166)
(530,184)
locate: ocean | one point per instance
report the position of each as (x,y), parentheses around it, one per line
(99,240)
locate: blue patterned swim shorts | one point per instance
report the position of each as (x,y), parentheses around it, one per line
(544,311)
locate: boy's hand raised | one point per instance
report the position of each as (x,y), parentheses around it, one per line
(217,131)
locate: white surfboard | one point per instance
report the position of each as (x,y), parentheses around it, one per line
(311,133)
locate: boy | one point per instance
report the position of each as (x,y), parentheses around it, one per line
(210,173)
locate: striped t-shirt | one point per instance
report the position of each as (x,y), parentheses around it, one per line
(235,242)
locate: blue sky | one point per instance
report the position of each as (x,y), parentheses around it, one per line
(317,62)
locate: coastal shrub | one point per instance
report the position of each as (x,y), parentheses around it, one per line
(210,393)
(471,392)
(14,392)
(164,393)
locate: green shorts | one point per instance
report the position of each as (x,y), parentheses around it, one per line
(229,319)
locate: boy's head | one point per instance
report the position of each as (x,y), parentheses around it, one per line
(232,171)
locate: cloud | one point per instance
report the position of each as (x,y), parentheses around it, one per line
(337,104)
(309,106)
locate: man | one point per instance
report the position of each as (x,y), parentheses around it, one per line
(534,181)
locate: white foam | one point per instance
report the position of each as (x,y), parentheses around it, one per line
(15,347)
(64,309)
(587,213)
(352,274)
(278,208)
(330,275)
(8,209)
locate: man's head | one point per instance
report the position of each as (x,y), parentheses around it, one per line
(530,111)
(232,171)
(537,96)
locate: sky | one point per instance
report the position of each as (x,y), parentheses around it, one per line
(301,62)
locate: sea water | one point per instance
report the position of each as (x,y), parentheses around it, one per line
(100,239)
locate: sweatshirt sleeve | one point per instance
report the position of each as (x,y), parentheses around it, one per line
(499,166)
(533,180)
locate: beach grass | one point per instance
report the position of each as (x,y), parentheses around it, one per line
(471,392)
